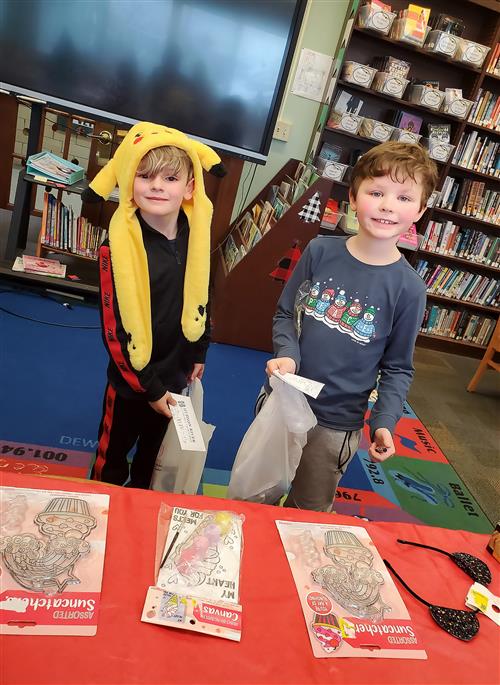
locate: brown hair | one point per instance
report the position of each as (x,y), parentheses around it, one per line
(167,157)
(399,161)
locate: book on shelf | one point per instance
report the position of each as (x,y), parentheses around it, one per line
(493,66)
(62,230)
(438,133)
(479,153)
(459,284)
(332,153)
(348,219)
(392,65)
(408,121)
(471,198)
(409,240)
(486,110)
(53,168)
(254,236)
(40,266)
(331,214)
(457,324)
(347,102)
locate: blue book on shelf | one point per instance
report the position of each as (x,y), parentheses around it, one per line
(54,168)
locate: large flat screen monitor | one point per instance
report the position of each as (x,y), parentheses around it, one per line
(214,69)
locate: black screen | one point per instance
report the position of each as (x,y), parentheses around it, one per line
(211,68)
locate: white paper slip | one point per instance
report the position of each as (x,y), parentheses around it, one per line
(305,385)
(186,424)
(479,597)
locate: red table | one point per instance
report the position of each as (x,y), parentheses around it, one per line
(275,646)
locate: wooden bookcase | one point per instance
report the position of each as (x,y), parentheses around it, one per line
(482,21)
(245,298)
(44,248)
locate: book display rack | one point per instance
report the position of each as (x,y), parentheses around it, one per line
(252,262)
(441,89)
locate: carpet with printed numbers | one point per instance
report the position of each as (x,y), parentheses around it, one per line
(53,374)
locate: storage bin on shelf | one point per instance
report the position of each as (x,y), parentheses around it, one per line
(471,52)
(360,74)
(460,107)
(426,96)
(376,130)
(398,33)
(442,42)
(390,84)
(327,168)
(346,121)
(404,136)
(438,151)
(375,18)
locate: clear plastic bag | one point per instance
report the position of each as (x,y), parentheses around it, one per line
(271,449)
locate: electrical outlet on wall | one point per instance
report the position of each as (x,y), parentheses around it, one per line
(282,130)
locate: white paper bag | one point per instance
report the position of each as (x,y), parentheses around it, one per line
(271,449)
(178,470)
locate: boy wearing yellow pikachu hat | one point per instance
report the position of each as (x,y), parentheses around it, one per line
(154,273)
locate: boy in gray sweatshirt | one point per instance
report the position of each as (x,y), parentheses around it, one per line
(361,317)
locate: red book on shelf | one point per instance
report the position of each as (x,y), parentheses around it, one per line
(48,267)
(409,239)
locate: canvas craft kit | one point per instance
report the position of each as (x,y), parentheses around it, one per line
(52,546)
(198,577)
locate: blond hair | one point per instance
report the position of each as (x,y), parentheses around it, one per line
(399,161)
(168,157)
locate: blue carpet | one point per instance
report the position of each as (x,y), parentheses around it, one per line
(52,378)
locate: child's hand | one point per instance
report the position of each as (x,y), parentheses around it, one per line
(383,446)
(161,406)
(197,372)
(281,364)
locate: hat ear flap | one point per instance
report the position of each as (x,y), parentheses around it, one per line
(209,159)
(105,181)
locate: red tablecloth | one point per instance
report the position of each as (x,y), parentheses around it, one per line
(275,646)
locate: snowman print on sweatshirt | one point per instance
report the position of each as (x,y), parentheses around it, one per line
(346,315)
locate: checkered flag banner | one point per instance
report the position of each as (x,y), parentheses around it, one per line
(310,212)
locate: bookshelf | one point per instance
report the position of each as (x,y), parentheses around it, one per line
(62,232)
(245,297)
(362,45)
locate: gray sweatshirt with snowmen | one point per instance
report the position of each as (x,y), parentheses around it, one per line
(358,320)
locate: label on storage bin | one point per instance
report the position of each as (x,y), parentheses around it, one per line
(349,122)
(458,107)
(362,76)
(440,152)
(408,137)
(381,131)
(394,86)
(380,20)
(431,97)
(446,43)
(473,53)
(334,170)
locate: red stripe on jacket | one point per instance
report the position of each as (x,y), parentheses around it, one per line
(109,320)
(107,422)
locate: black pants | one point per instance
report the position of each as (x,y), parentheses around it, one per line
(124,423)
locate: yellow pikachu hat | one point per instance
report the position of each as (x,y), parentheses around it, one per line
(128,255)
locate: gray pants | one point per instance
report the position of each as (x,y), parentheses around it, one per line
(324,461)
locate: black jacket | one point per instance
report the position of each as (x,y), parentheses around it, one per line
(172,356)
